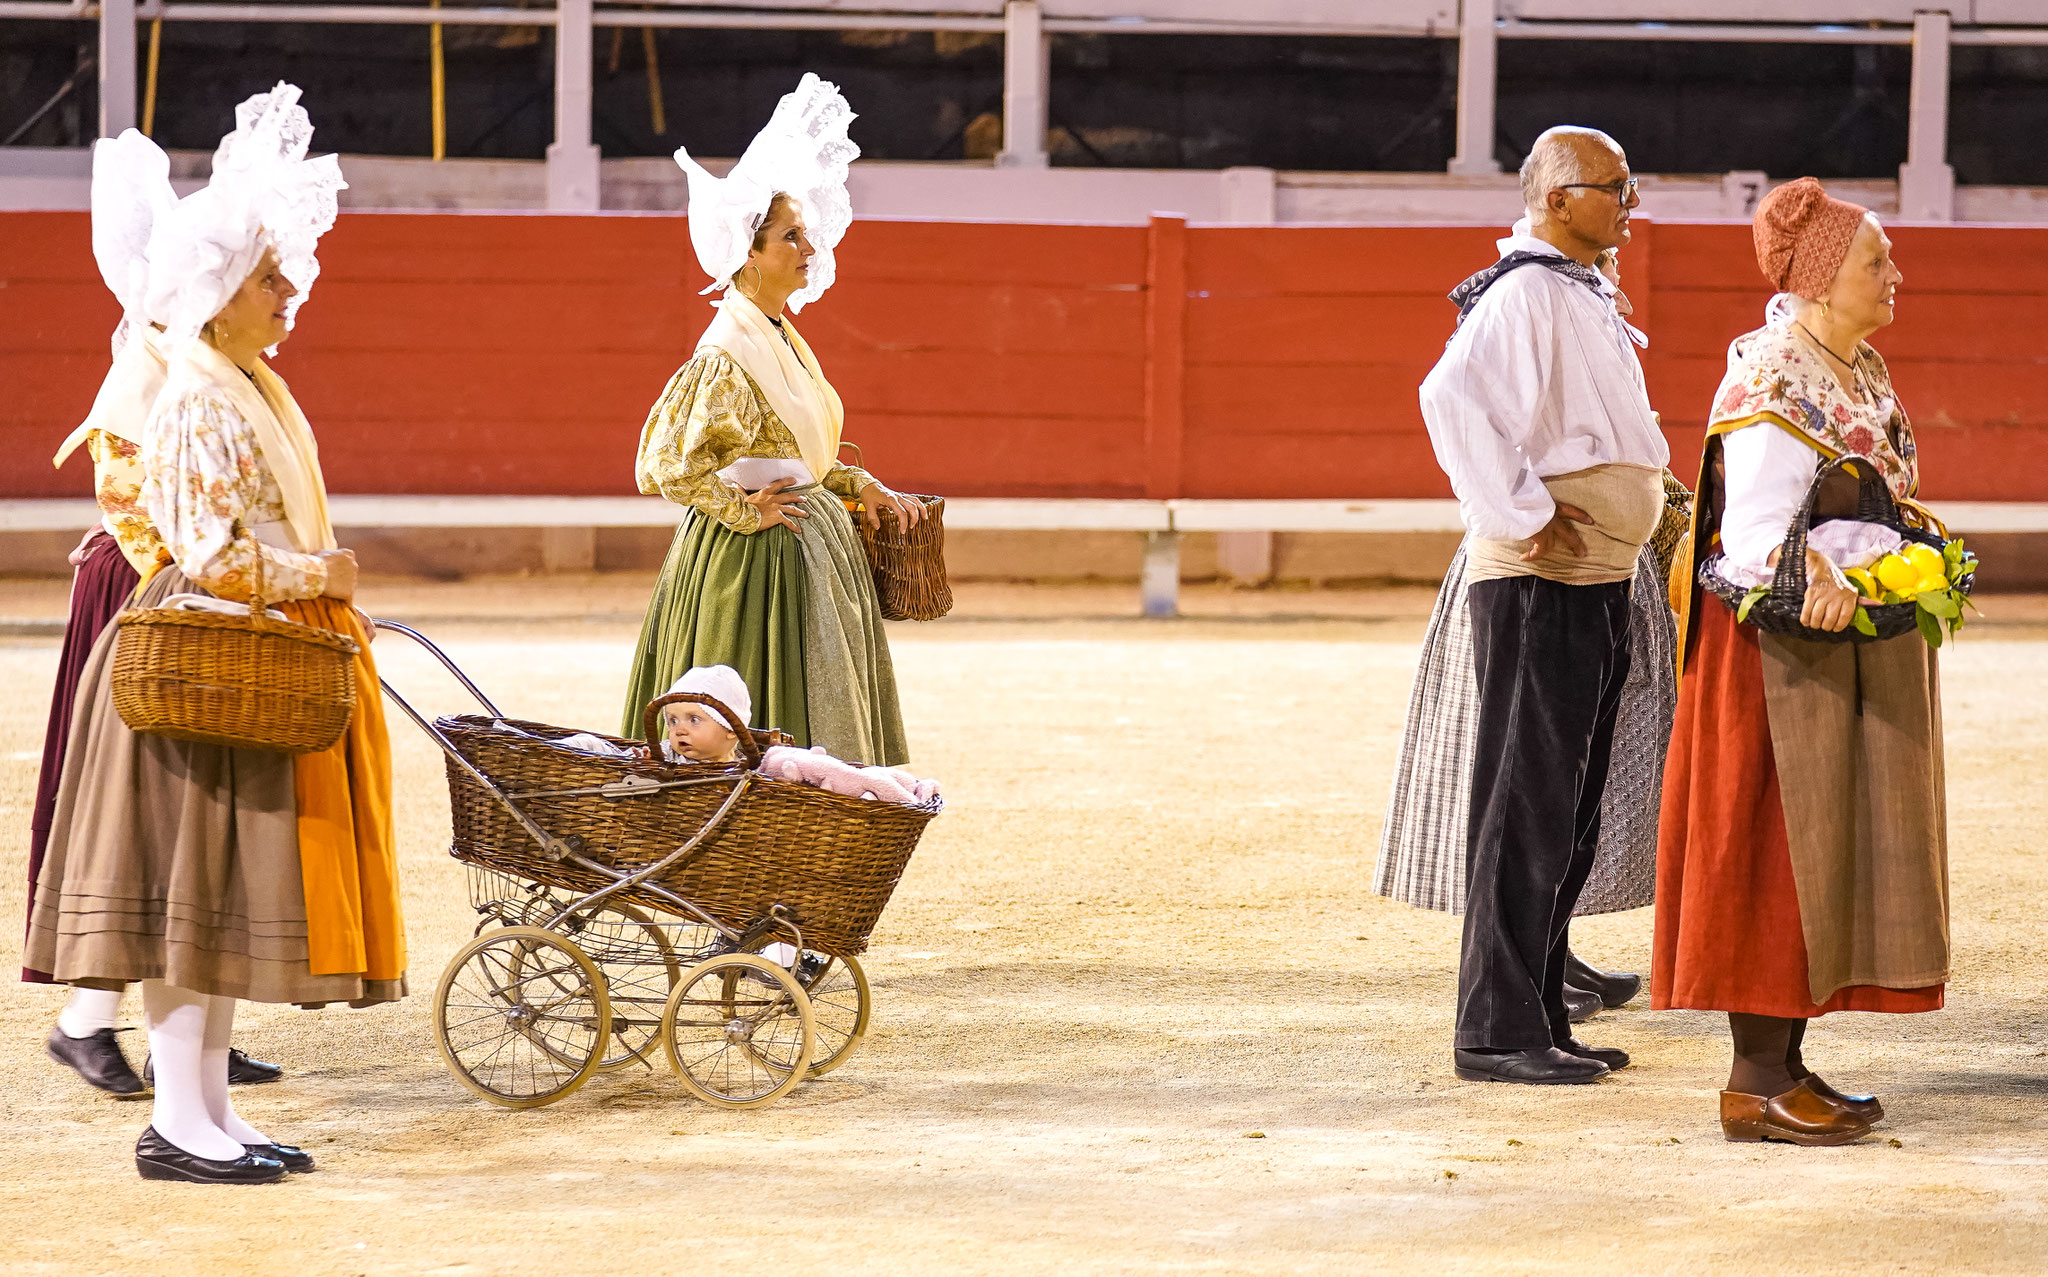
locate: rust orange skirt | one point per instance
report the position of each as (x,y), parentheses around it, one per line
(1728,934)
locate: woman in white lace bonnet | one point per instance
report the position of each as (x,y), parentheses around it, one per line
(213,874)
(131,186)
(766,573)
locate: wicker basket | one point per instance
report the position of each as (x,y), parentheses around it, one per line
(1778,611)
(910,569)
(831,861)
(245,682)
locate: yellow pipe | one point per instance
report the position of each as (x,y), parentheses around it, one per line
(156,43)
(440,73)
(654,83)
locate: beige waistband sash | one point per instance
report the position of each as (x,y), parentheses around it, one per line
(1624,501)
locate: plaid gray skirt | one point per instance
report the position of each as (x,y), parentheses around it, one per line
(1422,846)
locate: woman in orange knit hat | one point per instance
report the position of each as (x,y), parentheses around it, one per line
(1802,859)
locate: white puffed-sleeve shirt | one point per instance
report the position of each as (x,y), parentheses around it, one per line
(1540,380)
(1766,474)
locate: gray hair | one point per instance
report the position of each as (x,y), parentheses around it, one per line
(1555,160)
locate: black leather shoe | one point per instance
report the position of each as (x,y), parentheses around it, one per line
(1547,1067)
(1580,1004)
(1613,1057)
(243,1070)
(97,1058)
(296,1160)
(158,1158)
(1614,988)
(246,1070)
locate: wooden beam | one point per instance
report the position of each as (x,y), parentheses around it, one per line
(1166,305)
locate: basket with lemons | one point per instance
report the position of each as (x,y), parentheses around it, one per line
(1933,581)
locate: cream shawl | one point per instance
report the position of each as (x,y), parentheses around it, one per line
(282,435)
(126,396)
(790,379)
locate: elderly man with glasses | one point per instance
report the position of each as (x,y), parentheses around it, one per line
(1539,415)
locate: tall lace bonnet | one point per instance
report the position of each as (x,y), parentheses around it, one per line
(131,188)
(264,193)
(804,152)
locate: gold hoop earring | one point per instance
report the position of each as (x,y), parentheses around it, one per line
(758,282)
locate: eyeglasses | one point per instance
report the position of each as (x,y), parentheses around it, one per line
(1623,191)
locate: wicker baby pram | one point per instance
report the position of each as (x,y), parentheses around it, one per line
(627,902)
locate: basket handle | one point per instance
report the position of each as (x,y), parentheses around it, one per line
(259,608)
(650,723)
(1874,504)
(1925,518)
(859,458)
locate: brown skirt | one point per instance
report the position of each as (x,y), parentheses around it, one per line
(177,862)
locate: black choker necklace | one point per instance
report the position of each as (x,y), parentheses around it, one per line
(1849,364)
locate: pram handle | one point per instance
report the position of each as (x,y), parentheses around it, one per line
(650,723)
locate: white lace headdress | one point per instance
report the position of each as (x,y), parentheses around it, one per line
(804,153)
(131,187)
(264,193)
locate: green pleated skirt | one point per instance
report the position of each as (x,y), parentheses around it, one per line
(794,612)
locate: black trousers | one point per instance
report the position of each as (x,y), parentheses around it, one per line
(1551,661)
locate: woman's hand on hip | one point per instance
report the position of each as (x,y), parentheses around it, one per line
(341,574)
(777,505)
(1831,600)
(875,498)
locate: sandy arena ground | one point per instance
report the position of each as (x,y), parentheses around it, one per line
(1137,1008)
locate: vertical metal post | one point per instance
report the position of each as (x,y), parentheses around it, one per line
(437,76)
(1478,43)
(1927,183)
(1159,578)
(1027,86)
(572,159)
(117,66)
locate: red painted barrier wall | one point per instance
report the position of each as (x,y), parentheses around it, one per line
(510,353)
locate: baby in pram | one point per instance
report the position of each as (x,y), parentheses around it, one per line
(699,734)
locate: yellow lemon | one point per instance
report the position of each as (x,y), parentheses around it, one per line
(1894,573)
(1935,580)
(1926,560)
(1866,584)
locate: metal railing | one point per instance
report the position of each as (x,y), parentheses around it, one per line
(1926,180)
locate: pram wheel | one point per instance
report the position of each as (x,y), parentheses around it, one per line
(520,1016)
(640,969)
(840,1006)
(727,1019)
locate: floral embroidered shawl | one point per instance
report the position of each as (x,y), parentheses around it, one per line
(1774,376)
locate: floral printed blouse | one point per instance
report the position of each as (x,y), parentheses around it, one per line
(206,487)
(117,486)
(710,415)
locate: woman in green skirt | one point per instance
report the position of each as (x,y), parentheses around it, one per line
(767,573)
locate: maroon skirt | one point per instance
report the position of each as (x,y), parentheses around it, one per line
(98,593)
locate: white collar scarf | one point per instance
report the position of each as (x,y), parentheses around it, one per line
(786,372)
(126,395)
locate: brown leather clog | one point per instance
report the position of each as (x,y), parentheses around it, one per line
(1863,1106)
(1799,1116)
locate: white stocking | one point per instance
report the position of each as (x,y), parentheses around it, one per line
(177,1021)
(220,1027)
(89,1011)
